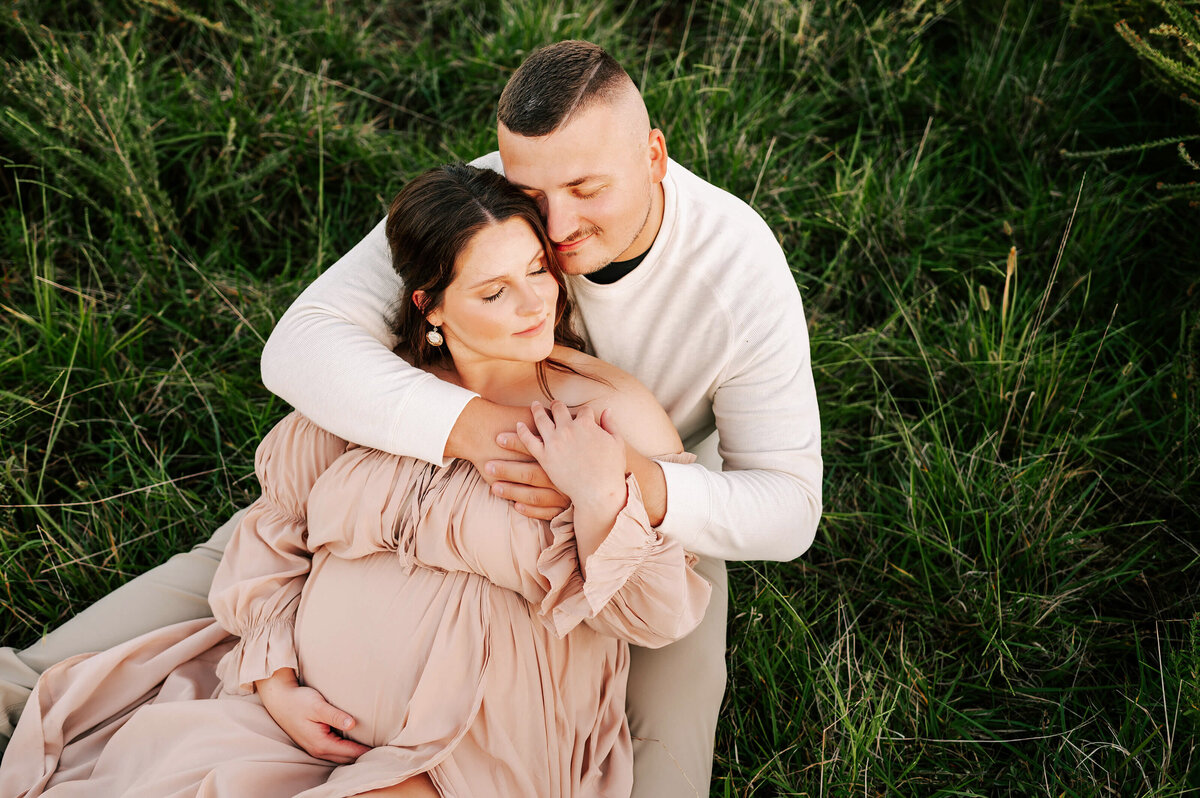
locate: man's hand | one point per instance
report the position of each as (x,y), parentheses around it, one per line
(485,434)
(308,718)
(524,481)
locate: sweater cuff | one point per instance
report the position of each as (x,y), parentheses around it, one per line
(689,501)
(440,405)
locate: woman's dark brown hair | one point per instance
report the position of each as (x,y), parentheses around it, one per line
(430,222)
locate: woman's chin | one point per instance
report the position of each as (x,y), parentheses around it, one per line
(541,350)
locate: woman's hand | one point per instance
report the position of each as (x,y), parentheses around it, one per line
(583,458)
(586,461)
(308,718)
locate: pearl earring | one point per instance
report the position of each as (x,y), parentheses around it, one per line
(434,337)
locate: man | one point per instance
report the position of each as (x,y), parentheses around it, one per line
(675,281)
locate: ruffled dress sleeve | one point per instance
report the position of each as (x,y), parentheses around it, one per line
(257,587)
(641,585)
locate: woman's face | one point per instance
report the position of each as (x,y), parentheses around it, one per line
(501,304)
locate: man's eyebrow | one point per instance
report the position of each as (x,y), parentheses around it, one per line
(494,278)
(579,181)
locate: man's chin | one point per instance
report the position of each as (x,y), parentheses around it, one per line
(578,264)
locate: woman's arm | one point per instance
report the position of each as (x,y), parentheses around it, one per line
(623,578)
(257,588)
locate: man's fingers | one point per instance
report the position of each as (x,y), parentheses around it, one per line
(511,441)
(518,473)
(540,513)
(534,497)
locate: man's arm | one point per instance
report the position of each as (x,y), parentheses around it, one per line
(330,357)
(766,503)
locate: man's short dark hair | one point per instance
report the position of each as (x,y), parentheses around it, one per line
(556,81)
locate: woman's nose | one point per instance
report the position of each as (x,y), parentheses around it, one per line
(531,302)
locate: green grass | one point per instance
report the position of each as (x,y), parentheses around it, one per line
(1002,598)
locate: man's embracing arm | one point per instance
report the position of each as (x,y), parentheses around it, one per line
(766,502)
(331,358)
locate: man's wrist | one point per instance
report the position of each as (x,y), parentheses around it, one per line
(473,436)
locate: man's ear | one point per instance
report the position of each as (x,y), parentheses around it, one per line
(658,155)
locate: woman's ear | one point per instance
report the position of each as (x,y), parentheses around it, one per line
(421,300)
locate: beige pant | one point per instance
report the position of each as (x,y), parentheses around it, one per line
(674,692)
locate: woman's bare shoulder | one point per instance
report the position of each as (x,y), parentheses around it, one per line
(636,414)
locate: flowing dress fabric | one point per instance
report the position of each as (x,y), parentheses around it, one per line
(458,633)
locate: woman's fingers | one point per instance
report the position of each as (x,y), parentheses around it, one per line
(541,420)
(562,414)
(532,443)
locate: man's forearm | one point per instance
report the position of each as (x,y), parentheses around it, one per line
(754,514)
(473,436)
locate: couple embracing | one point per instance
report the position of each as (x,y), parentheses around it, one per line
(489,567)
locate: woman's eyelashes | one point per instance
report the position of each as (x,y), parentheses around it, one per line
(534,273)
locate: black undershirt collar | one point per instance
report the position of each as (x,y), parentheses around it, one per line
(616,270)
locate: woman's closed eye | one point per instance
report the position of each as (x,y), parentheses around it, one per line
(539,271)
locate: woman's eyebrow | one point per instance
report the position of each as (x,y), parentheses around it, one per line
(497,277)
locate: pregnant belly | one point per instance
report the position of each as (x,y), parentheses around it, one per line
(404,653)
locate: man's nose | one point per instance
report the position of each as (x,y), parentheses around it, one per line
(561,220)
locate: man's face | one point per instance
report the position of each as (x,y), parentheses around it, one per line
(596,180)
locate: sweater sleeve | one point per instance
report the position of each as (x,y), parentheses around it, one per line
(765,501)
(257,587)
(331,357)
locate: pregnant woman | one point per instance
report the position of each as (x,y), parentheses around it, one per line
(481,652)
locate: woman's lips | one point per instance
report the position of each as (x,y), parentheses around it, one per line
(532,331)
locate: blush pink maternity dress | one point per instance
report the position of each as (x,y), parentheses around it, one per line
(459,633)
